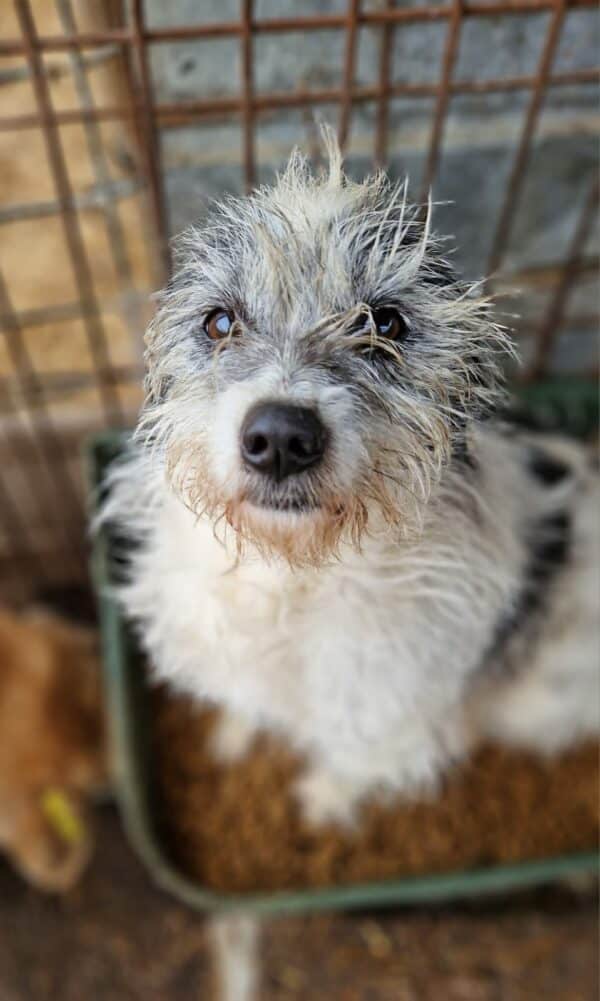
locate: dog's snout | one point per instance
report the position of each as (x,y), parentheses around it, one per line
(279,440)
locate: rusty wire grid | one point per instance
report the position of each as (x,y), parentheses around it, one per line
(41,497)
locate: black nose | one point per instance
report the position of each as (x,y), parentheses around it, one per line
(279,440)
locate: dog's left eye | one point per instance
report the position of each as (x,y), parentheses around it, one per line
(390,323)
(218,324)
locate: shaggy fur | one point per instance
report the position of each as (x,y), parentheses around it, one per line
(390,606)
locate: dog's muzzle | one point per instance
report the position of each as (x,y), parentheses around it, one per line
(279,440)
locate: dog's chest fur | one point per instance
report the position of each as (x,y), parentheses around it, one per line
(377,664)
(351,648)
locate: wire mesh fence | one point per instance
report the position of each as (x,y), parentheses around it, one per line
(87,202)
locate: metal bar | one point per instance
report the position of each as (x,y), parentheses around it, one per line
(450,54)
(247,108)
(322,22)
(542,275)
(93,199)
(46,383)
(554,316)
(81,269)
(325,22)
(114,230)
(41,420)
(517,173)
(144,104)
(64,312)
(56,70)
(62,43)
(580,322)
(147,220)
(174,115)
(383,103)
(348,74)
(17,532)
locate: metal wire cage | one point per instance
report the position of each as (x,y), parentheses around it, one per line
(87,201)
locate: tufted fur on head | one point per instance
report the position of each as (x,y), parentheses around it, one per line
(302,267)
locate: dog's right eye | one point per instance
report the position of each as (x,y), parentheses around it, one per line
(390,323)
(218,324)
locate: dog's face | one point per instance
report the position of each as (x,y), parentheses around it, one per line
(314,364)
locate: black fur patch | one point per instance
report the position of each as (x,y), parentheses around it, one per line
(549,547)
(547,468)
(462,454)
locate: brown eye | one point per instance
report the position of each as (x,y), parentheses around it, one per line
(390,323)
(218,324)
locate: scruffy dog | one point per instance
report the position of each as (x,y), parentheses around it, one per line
(334,542)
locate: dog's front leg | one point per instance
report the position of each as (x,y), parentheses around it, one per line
(232,737)
(325,797)
(408,763)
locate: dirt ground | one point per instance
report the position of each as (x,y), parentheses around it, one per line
(117,938)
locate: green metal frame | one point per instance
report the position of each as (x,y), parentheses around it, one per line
(129,733)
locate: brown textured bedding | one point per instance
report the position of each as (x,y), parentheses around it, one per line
(237,828)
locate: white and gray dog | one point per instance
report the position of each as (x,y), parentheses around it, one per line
(334,541)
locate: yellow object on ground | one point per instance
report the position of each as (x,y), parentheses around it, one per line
(63,818)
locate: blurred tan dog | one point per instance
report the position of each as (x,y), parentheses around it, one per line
(52,754)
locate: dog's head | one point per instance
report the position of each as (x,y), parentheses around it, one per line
(315,363)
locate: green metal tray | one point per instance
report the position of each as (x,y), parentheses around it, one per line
(573,407)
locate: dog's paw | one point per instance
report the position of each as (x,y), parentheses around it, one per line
(231,738)
(326,799)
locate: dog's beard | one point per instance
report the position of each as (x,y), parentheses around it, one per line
(308,537)
(303,527)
